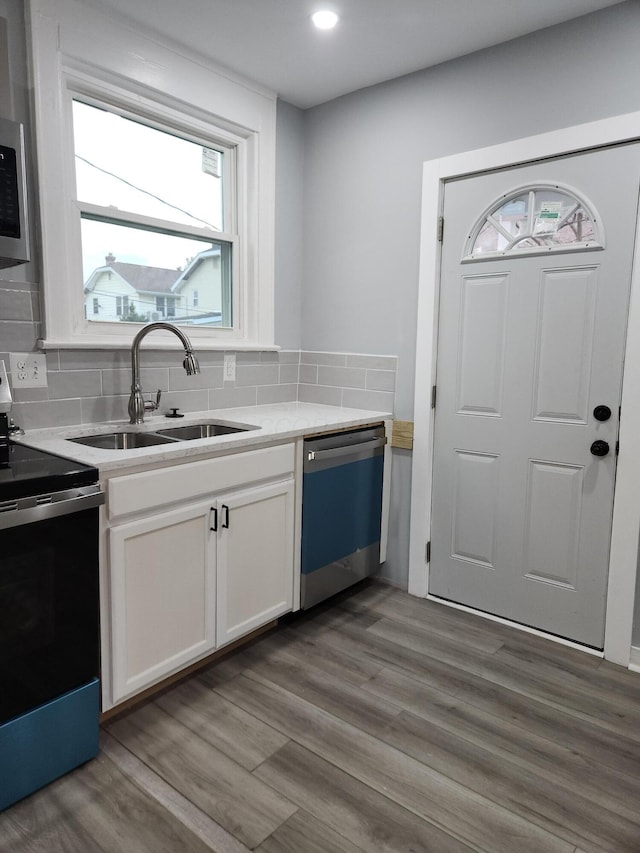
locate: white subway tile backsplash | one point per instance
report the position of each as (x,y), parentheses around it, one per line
(277,394)
(342,377)
(357,399)
(65,384)
(247,357)
(373,362)
(289,374)
(320,394)
(16,305)
(231,397)
(93,385)
(99,409)
(116,382)
(209,357)
(49,413)
(79,359)
(336,359)
(18,336)
(289,356)
(209,377)
(309,374)
(381,380)
(29,395)
(186,401)
(256,374)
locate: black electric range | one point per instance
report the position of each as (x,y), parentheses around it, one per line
(49,617)
(28,472)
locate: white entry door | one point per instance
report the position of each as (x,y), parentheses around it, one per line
(536,268)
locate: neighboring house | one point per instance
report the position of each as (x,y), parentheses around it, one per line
(204,296)
(124,291)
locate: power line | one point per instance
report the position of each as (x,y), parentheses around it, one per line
(146,192)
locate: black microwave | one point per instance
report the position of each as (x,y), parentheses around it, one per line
(14,226)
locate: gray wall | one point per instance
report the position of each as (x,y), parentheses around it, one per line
(363,171)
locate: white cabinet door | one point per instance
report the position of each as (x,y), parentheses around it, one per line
(255,558)
(163,582)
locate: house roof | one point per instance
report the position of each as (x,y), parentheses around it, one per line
(153,279)
(144,279)
(193,266)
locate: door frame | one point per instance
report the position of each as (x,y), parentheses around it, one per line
(625,533)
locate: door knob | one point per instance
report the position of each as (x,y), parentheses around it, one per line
(602,413)
(600,448)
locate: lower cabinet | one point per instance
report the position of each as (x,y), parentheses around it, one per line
(188,579)
(163,587)
(255,559)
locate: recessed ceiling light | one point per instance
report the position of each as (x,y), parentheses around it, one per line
(325,19)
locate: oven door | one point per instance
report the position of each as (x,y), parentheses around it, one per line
(49,612)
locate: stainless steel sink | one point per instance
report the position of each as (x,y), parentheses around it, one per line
(122,440)
(209,429)
(128,440)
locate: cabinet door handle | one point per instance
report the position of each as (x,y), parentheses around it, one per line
(225,523)
(214,515)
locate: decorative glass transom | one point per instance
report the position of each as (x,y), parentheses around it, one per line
(535,220)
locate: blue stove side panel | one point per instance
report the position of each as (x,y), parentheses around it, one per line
(43,744)
(341,511)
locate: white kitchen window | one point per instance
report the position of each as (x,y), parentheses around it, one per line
(156,217)
(157,184)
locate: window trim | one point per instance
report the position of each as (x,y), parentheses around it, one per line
(67,63)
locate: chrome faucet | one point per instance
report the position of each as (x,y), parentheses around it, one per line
(137,404)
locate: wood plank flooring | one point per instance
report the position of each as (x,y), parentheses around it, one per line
(379,722)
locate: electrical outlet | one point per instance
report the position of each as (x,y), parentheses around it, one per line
(230,367)
(28,370)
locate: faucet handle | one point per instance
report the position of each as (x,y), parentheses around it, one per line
(152,405)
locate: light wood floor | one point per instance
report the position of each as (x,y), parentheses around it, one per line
(380,723)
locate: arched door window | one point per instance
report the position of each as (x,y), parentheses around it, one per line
(534,220)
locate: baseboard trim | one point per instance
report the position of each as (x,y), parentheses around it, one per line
(634,659)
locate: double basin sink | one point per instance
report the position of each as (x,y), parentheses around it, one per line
(129,440)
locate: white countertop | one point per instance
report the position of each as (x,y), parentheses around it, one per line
(277,422)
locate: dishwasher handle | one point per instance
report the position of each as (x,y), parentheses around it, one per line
(42,507)
(346,450)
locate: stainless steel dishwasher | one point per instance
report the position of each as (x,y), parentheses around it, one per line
(341,511)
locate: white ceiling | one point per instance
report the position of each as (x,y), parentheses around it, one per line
(274,43)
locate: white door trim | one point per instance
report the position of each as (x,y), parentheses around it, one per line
(625,537)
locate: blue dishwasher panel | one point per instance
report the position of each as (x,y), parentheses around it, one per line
(341,511)
(43,744)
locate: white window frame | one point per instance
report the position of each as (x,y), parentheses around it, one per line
(80,51)
(168,121)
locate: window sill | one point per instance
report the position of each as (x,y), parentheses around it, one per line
(157,342)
